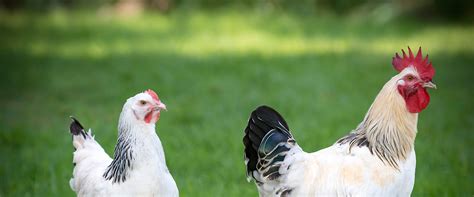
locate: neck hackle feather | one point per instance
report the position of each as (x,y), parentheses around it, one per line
(389,129)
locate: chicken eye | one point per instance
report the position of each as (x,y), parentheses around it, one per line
(410,77)
(142,102)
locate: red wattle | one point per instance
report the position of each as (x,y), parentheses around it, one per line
(152,116)
(418,101)
(148,117)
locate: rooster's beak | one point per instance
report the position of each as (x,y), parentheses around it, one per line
(429,84)
(160,106)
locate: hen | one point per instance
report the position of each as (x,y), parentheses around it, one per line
(138,167)
(376,159)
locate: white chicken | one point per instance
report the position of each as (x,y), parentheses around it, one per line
(375,159)
(138,167)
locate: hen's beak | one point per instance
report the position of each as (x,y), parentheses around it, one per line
(160,106)
(429,85)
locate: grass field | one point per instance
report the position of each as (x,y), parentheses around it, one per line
(212,69)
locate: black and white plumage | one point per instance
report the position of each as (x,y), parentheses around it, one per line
(138,167)
(268,142)
(280,167)
(376,159)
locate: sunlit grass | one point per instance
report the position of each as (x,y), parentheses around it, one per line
(212,69)
(198,34)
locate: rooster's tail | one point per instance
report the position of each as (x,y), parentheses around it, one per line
(267,142)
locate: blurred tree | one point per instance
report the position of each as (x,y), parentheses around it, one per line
(339,6)
(49,4)
(129,7)
(448,9)
(454,9)
(161,5)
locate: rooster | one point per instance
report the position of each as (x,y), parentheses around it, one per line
(376,159)
(138,167)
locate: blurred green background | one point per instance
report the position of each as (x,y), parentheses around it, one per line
(319,62)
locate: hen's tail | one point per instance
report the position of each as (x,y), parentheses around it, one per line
(79,136)
(89,158)
(267,143)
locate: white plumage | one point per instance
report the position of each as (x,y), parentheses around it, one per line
(335,172)
(139,166)
(375,159)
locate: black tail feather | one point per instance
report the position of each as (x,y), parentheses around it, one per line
(76,128)
(262,121)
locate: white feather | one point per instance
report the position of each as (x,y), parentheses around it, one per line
(336,172)
(148,176)
(342,170)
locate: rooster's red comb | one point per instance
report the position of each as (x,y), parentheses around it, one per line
(422,66)
(152,94)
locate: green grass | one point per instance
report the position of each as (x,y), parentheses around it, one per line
(212,69)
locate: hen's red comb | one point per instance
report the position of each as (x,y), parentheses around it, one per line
(152,94)
(422,66)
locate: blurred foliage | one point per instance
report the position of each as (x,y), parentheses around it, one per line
(436,9)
